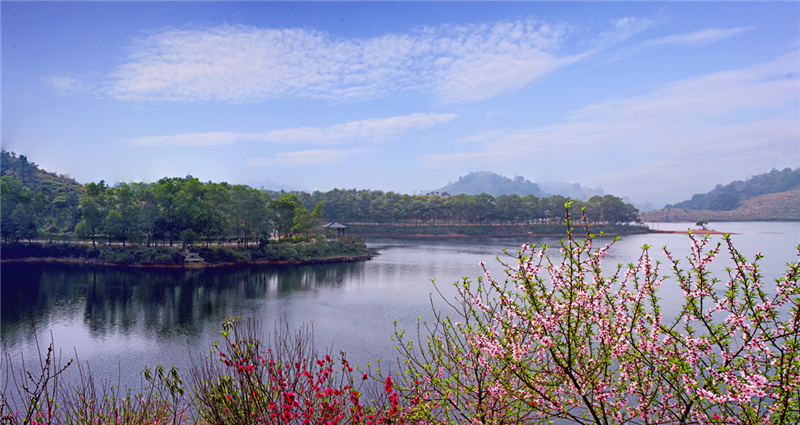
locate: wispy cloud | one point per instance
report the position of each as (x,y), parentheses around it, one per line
(369,130)
(454,63)
(712,123)
(695,38)
(190,139)
(625,28)
(66,85)
(308,158)
(710,35)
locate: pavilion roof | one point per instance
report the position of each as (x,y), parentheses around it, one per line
(334,225)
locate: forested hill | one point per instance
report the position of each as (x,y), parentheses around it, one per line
(732,196)
(41,205)
(30,175)
(479,182)
(57,194)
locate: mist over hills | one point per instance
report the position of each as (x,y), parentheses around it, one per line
(730,196)
(478,182)
(774,195)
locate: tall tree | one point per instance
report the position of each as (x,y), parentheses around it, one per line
(21,210)
(167,222)
(122,217)
(283,211)
(212,219)
(248,212)
(92,219)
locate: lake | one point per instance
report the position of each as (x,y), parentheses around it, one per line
(122,320)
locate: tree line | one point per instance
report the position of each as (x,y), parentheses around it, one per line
(375,206)
(186,210)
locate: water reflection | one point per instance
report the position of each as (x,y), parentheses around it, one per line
(122,320)
(162,302)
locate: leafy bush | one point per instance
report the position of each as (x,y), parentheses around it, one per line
(117,255)
(45,400)
(25,250)
(248,379)
(224,254)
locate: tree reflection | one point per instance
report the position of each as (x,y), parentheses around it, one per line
(166,302)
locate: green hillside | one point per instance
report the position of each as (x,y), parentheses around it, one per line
(733,195)
(781,206)
(41,205)
(56,195)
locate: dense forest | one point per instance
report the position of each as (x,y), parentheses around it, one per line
(732,195)
(38,204)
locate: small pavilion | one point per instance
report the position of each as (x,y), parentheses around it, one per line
(339,227)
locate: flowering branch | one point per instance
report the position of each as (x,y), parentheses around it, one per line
(565,339)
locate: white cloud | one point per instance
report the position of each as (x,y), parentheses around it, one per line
(190,139)
(697,100)
(625,28)
(369,130)
(455,63)
(66,85)
(308,158)
(721,123)
(710,35)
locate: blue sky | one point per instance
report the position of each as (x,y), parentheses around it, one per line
(649,101)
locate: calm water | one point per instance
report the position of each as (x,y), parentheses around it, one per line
(121,320)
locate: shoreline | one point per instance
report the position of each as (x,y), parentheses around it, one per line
(187,266)
(694,232)
(461,235)
(455,236)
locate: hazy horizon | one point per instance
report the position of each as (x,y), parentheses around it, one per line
(653,102)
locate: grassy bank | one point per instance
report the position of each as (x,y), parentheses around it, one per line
(287,251)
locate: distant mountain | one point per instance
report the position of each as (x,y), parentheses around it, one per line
(570,190)
(269,185)
(493,184)
(732,196)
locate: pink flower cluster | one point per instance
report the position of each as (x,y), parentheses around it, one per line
(286,384)
(565,338)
